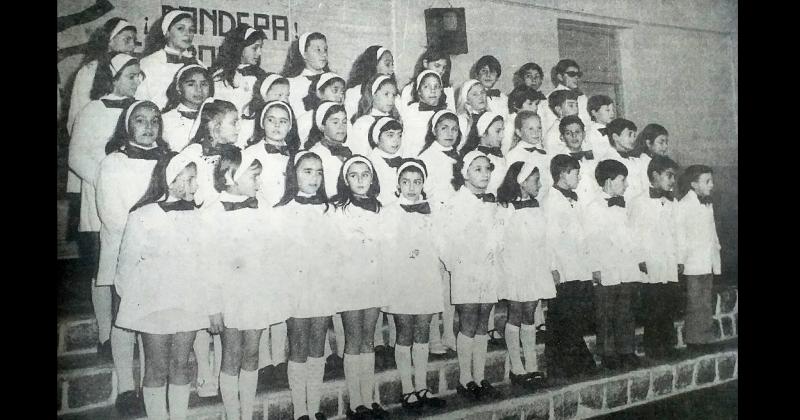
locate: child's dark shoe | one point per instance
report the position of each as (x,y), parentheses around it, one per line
(471,392)
(378,412)
(320,416)
(427,400)
(130,404)
(489,391)
(412,407)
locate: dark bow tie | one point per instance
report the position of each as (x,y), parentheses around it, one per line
(192,115)
(423,208)
(487,197)
(583,154)
(134,152)
(369,204)
(435,108)
(603,131)
(309,200)
(525,204)
(629,154)
(535,149)
(275,150)
(493,93)
(118,103)
(578,91)
(705,200)
(394,162)
(568,193)
(491,150)
(452,153)
(342,152)
(251,70)
(251,202)
(180,59)
(616,201)
(656,193)
(177,205)
(314,78)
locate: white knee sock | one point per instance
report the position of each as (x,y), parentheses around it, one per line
(264,350)
(178,396)
(278,343)
(464,351)
(352,376)
(378,336)
(122,347)
(434,336)
(402,356)
(297,386)
(528,335)
(448,318)
(514,351)
(479,356)
(217,355)
(419,355)
(367,378)
(101,304)
(248,382)
(202,340)
(491,319)
(155,402)
(316,372)
(392,331)
(229,388)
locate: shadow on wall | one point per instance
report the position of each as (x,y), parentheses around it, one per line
(726,212)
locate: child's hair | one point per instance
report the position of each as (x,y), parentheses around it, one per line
(595,102)
(230,159)
(519,75)
(122,132)
(367,95)
(291,188)
(460,167)
(315,134)
(229,56)
(295,63)
(174,97)
(430,135)
(510,189)
(659,164)
(560,68)
(156,39)
(292,139)
(649,133)
(158,188)
(461,97)
(486,60)
(365,66)
(518,121)
(521,94)
(609,169)
(562,163)
(374,137)
(97,46)
(258,100)
(416,166)
(104,76)
(477,130)
(432,54)
(569,119)
(617,126)
(415,88)
(557,98)
(691,174)
(209,110)
(312,100)
(344,195)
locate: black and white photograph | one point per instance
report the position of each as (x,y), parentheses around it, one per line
(398,209)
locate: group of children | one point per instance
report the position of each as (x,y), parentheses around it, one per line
(251,208)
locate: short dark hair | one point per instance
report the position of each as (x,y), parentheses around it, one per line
(486,60)
(617,126)
(609,169)
(569,119)
(560,68)
(558,97)
(519,75)
(691,174)
(596,102)
(522,94)
(562,163)
(659,164)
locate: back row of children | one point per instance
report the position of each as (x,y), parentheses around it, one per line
(336,204)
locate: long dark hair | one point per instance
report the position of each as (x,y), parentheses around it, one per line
(174,97)
(433,54)
(122,133)
(156,40)
(344,195)
(291,188)
(315,134)
(292,137)
(430,137)
(519,75)
(474,137)
(366,101)
(257,102)
(103,82)
(157,189)
(415,90)
(210,111)
(230,53)
(365,66)
(312,99)
(295,63)
(649,133)
(510,189)
(97,46)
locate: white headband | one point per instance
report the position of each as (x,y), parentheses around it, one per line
(326,77)
(485,120)
(183,69)
(422,75)
(380,52)
(377,83)
(468,158)
(251,31)
(177,164)
(129,112)
(171,17)
(322,109)
(119,62)
(462,96)
(526,171)
(414,164)
(247,161)
(437,116)
(122,24)
(198,119)
(267,83)
(301,43)
(269,105)
(299,155)
(375,133)
(355,159)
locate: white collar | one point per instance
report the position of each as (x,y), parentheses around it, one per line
(170,50)
(309,72)
(232,198)
(380,153)
(403,200)
(378,113)
(114,96)
(184,108)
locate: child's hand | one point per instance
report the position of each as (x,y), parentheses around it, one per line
(556,277)
(216,323)
(680,269)
(596,278)
(643,267)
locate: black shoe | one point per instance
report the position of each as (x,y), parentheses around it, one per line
(379,412)
(489,391)
(521,380)
(471,392)
(414,407)
(304,417)
(320,416)
(611,362)
(432,402)
(130,404)
(631,361)
(495,337)
(104,351)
